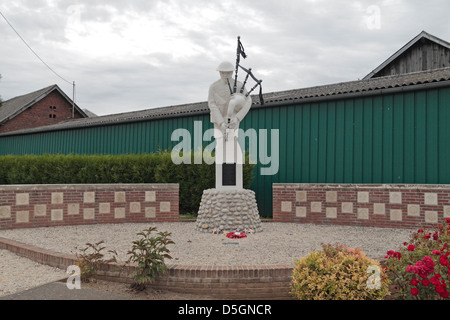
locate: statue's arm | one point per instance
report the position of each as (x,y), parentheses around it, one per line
(245,109)
(216,115)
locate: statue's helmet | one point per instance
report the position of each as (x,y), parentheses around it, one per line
(225,67)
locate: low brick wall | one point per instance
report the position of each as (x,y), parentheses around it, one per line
(245,282)
(392,206)
(31,206)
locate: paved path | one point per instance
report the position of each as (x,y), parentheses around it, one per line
(59,291)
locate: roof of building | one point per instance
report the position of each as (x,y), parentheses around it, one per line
(367,85)
(332,91)
(14,106)
(89,113)
(418,38)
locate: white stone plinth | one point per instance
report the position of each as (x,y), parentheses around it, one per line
(228,151)
(228,210)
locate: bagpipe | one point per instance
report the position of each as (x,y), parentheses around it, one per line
(241,53)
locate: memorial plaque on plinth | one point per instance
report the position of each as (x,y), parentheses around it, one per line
(229,174)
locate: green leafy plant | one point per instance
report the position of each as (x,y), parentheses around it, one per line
(420,269)
(338,273)
(149,253)
(91,257)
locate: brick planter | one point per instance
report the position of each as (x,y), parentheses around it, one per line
(32,206)
(251,282)
(390,206)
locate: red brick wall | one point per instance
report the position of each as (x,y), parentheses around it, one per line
(392,206)
(39,114)
(247,282)
(31,206)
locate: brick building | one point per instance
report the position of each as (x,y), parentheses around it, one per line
(46,106)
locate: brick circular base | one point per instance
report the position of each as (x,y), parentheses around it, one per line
(243,282)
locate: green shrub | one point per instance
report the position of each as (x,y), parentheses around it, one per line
(90,258)
(67,169)
(95,169)
(149,253)
(338,273)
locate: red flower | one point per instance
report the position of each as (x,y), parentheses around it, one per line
(411,247)
(415,282)
(436,252)
(414,291)
(423,267)
(443,260)
(426,282)
(435,281)
(444,294)
(393,254)
(440,289)
(428,261)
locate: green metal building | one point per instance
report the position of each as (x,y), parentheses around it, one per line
(385,129)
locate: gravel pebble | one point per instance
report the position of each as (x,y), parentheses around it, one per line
(19,274)
(277,244)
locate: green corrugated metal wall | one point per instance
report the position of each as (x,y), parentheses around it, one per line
(390,138)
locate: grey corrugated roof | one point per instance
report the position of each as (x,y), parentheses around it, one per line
(331,91)
(89,113)
(14,106)
(422,35)
(380,83)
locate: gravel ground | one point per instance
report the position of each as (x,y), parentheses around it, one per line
(277,244)
(19,274)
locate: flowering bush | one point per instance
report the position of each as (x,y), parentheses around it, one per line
(338,273)
(421,269)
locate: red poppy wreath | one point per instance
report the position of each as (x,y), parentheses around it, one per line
(236,235)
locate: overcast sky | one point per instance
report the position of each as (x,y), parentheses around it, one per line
(128,55)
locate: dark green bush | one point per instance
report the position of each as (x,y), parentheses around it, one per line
(68,169)
(142,168)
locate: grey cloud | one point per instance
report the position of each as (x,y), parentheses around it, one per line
(139,6)
(294,44)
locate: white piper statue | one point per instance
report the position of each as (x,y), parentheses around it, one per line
(228,206)
(227,111)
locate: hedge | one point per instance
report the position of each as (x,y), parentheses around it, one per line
(108,169)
